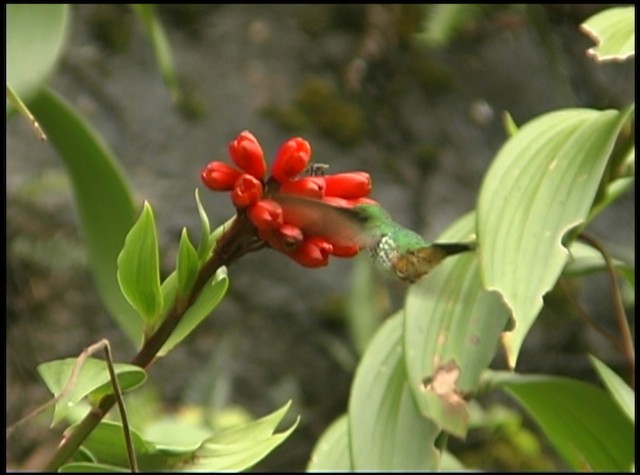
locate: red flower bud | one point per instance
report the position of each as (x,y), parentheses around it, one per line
(291,160)
(344,250)
(219,176)
(313,252)
(245,151)
(266,214)
(348,185)
(309,186)
(246,191)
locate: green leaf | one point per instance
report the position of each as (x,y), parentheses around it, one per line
(452,329)
(241,447)
(621,392)
(161,48)
(186,264)
(139,268)
(173,436)
(331,452)
(209,298)
(444,21)
(613,31)
(102,196)
(386,429)
(89,467)
(206,243)
(584,259)
(93,378)
(35,38)
(366,301)
(106,444)
(586,426)
(541,185)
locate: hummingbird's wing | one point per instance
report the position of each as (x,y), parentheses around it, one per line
(315,218)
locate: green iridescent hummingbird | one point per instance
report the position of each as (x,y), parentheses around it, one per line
(399,250)
(394,248)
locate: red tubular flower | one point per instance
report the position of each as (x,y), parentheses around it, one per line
(345,250)
(219,176)
(246,191)
(245,151)
(266,214)
(308,186)
(348,185)
(313,252)
(291,160)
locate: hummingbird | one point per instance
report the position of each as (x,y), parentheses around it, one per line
(393,248)
(399,250)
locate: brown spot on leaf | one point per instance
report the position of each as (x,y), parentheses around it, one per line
(443,383)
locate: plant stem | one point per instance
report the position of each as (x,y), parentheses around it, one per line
(237,241)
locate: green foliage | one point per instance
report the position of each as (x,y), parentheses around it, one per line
(547,183)
(92,380)
(139,268)
(613,30)
(397,438)
(206,302)
(522,216)
(421,370)
(36,35)
(103,197)
(584,423)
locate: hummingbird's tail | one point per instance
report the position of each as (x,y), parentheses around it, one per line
(451,248)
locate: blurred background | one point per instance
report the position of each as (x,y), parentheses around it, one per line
(371,88)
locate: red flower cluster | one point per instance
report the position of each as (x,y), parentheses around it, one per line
(260,197)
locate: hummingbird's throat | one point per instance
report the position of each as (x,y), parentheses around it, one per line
(385,252)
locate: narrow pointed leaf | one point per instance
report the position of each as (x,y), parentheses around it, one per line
(186,264)
(241,447)
(386,429)
(93,377)
(331,452)
(209,298)
(206,243)
(621,392)
(613,30)
(161,48)
(541,184)
(583,422)
(102,197)
(139,268)
(452,330)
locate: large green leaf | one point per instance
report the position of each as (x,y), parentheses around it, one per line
(35,39)
(102,196)
(386,429)
(331,452)
(139,267)
(541,185)
(92,378)
(241,447)
(452,328)
(583,422)
(614,32)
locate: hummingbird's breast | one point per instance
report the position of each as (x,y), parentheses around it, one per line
(385,252)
